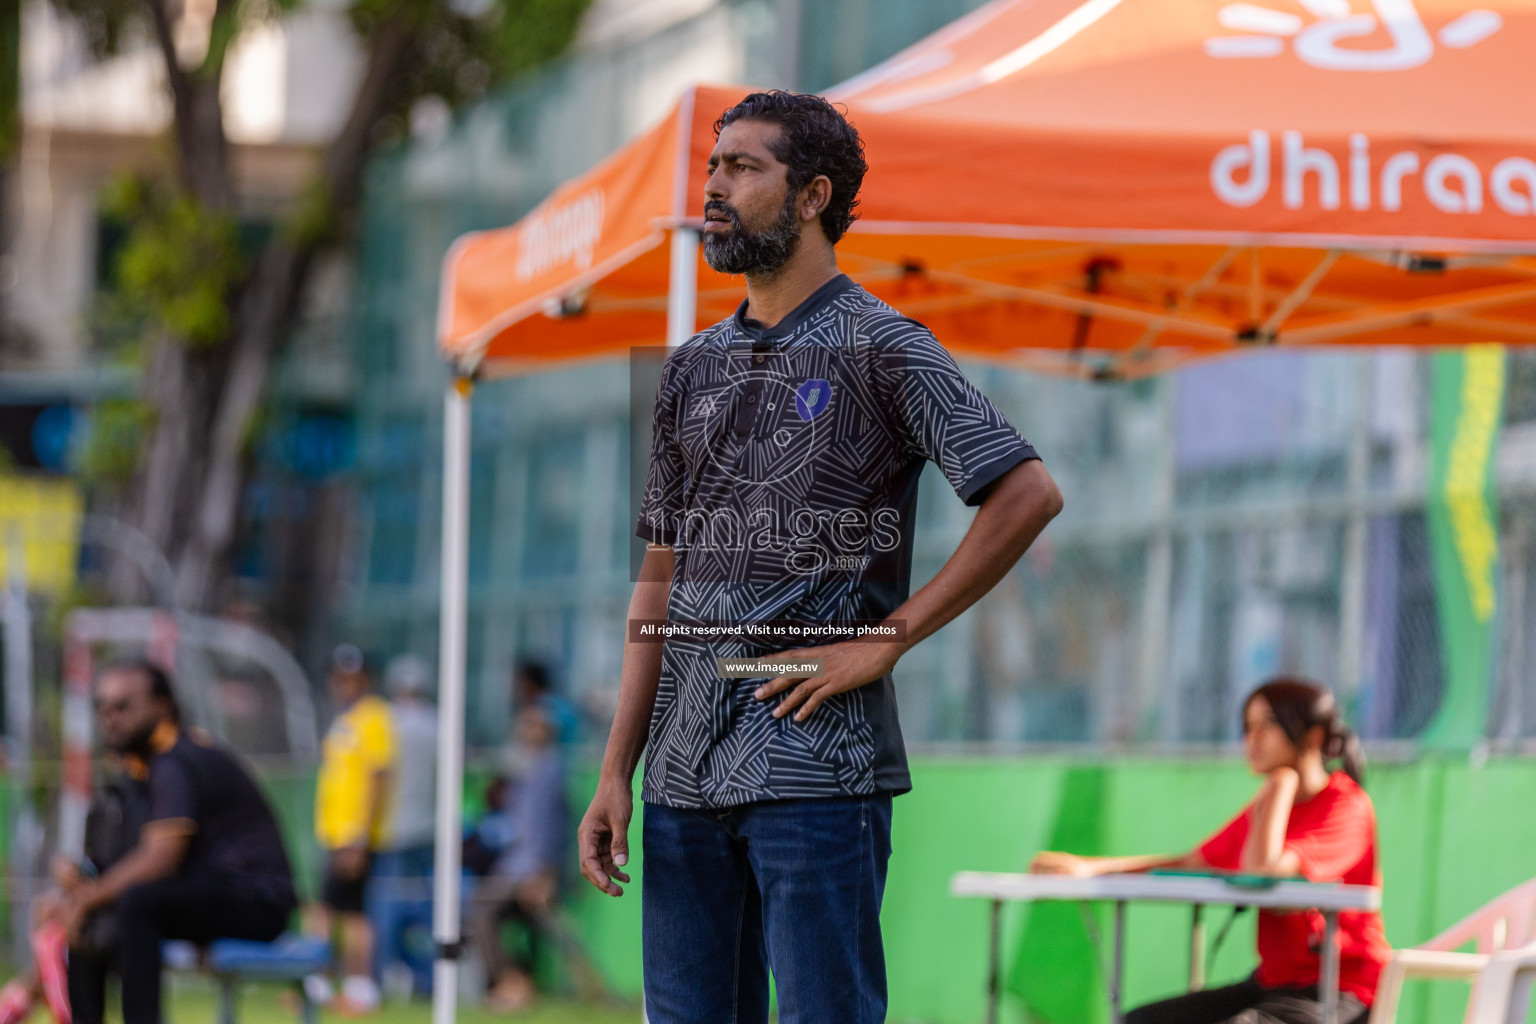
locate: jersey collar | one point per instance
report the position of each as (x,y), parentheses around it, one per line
(801,313)
(164,737)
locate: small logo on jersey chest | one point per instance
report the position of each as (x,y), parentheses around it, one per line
(811,398)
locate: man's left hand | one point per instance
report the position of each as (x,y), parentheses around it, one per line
(848,665)
(77,908)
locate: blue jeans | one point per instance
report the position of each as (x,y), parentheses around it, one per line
(400,899)
(794,885)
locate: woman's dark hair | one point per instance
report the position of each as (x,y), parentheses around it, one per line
(1299,705)
(814,139)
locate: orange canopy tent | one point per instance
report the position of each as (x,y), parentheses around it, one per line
(1145,181)
(1105,187)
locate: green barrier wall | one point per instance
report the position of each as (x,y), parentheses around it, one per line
(1452,836)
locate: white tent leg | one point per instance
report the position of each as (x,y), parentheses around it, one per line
(26,835)
(682,315)
(1353,580)
(446,928)
(683,286)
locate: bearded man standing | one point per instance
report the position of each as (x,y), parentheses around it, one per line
(787,445)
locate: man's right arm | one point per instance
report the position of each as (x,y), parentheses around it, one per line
(603,839)
(162,846)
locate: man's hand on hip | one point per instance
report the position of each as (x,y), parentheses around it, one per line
(603,838)
(847,665)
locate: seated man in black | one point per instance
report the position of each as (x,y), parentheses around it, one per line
(209,863)
(119,809)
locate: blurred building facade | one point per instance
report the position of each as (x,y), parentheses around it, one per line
(85,121)
(88,122)
(1246,517)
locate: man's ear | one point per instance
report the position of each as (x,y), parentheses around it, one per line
(815,196)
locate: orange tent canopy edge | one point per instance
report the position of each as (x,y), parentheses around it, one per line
(1109,187)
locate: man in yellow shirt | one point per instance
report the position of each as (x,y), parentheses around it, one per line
(352,802)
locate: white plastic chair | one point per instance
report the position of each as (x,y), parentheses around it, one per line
(1503,993)
(1500,969)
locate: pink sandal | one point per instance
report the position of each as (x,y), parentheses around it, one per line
(48,951)
(15,1002)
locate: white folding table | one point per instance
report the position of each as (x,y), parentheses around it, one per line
(1197,890)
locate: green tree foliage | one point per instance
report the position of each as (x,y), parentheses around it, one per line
(201,307)
(470,46)
(103,24)
(180,262)
(110,455)
(10,76)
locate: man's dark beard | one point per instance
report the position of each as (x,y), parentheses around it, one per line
(136,743)
(746,252)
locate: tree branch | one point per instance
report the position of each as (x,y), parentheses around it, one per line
(165,37)
(222,32)
(266,316)
(201,148)
(341,170)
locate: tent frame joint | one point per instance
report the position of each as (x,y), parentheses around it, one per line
(1256,336)
(1418,263)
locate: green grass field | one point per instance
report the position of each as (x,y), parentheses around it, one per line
(195,1001)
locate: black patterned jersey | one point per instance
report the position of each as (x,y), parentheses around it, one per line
(783,473)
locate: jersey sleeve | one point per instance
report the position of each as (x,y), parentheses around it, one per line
(941,415)
(172,796)
(662,504)
(1224,849)
(376,740)
(1330,847)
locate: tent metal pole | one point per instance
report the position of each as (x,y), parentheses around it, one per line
(1353,580)
(446,926)
(682,315)
(26,833)
(683,286)
(1157,585)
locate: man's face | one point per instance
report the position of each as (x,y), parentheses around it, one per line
(126,712)
(347,686)
(750,221)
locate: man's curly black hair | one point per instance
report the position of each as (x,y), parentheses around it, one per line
(814,138)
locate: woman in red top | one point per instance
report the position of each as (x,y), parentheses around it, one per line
(1305,820)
